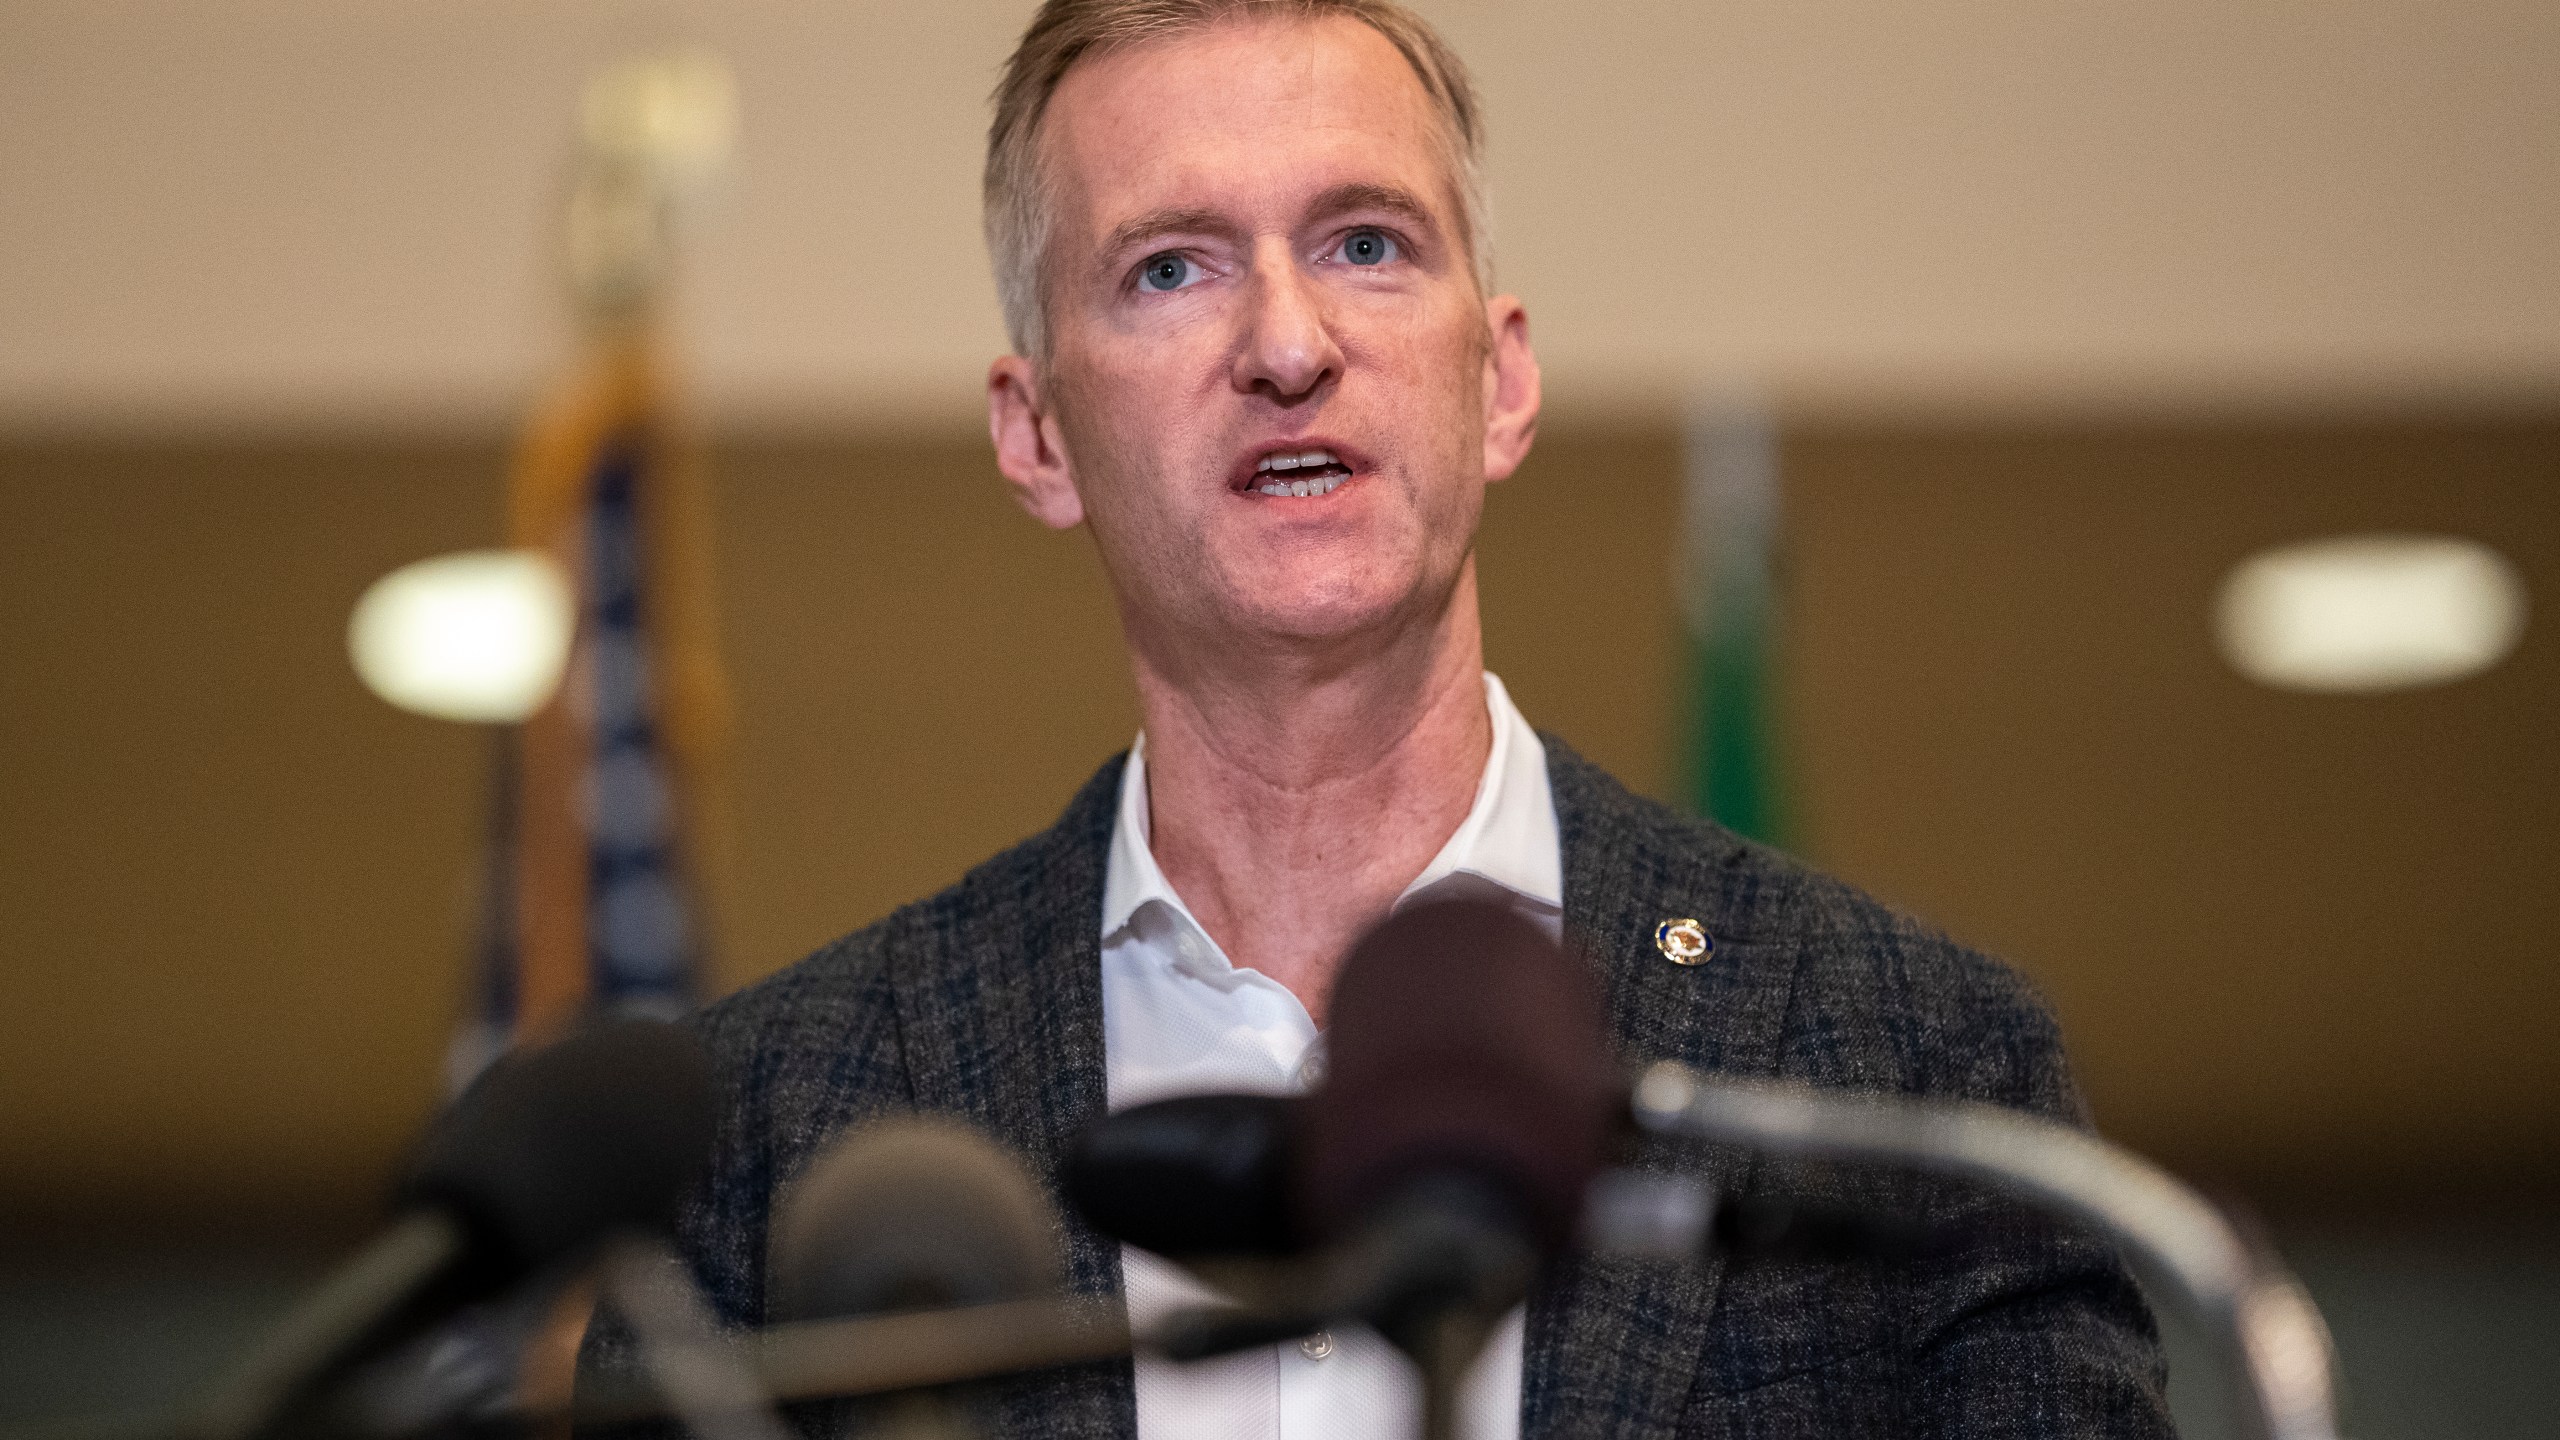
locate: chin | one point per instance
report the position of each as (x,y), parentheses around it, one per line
(1323,610)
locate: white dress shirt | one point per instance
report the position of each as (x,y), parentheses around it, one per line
(1179,1019)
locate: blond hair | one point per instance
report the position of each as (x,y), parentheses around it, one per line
(1064,31)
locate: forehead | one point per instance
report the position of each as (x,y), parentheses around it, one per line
(1241,116)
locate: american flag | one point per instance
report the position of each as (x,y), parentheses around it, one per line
(593,901)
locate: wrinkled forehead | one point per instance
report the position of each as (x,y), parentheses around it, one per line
(1247,118)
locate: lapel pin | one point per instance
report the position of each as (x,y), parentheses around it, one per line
(1684,942)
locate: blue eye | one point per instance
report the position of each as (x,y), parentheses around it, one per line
(1168,271)
(1369,247)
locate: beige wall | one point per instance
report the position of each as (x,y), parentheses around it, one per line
(294,211)
(2299,944)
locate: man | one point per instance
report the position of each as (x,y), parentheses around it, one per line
(1242,256)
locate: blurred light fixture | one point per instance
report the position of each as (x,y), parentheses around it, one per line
(656,132)
(2365,613)
(481,635)
(674,110)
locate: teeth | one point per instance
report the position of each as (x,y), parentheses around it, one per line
(1300,489)
(1299,461)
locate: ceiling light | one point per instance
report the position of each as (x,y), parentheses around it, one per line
(481,635)
(2365,613)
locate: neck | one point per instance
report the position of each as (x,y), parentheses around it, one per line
(1290,803)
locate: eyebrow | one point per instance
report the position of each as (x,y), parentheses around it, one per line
(1195,220)
(1363,195)
(1170,221)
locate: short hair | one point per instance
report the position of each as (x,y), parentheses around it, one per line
(1017,198)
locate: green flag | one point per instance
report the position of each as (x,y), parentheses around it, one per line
(1728,594)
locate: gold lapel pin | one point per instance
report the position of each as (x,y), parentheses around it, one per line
(1684,942)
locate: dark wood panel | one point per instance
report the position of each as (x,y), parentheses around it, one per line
(233,881)
(2299,941)
(2303,943)
(237,885)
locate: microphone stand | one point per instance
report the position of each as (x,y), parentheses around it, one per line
(331,1324)
(871,1355)
(1454,1341)
(708,1384)
(2255,1316)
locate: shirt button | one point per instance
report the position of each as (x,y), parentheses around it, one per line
(1189,945)
(1311,1066)
(1317,1346)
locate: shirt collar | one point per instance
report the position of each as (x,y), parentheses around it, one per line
(1508,839)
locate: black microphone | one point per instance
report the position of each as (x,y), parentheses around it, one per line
(915,1253)
(551,1152)
(1467,1105)
(1465,1053)
(907,1215)
(912,1213)
(1201,1179)
(1468,1101)
(1195,1178)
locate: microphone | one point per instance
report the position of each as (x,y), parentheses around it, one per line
(906,1215)
(914,1253)
(1468,1102)
(1202,1179)
(912,1214)
(550,1153)
(1465,1055)
(1195,1178)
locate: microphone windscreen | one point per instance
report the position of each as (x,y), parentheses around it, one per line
(912,1213)
(1464,1039)
(1197,1177)
(555,1148)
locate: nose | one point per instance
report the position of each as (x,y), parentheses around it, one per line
(1288,351)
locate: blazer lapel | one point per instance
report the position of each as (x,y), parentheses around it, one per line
(1000,1018)
(1000,1010)
(1613,1344)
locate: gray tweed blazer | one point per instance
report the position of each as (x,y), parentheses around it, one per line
(985,1002)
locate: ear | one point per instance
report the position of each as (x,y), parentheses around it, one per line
(1510,388)
(1029,449)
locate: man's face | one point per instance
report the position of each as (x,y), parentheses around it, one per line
(1273,386)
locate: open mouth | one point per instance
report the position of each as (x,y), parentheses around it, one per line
(1298,474)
